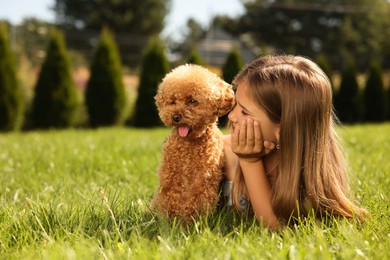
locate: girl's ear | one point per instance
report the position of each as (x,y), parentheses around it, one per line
(277,133)
(277,136)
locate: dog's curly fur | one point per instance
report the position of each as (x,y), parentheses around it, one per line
(190,99)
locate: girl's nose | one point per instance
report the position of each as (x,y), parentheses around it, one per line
(232,116)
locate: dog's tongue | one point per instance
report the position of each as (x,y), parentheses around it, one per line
(184,130)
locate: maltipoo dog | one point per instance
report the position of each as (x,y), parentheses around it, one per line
(190,99)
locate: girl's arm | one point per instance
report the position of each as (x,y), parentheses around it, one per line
(259,192)
(249,146)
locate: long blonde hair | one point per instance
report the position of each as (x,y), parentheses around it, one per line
(311,169)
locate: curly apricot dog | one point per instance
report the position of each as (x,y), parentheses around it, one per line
(190,99)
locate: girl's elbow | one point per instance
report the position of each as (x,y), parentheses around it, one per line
(270,222)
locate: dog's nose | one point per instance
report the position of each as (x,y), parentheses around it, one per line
(176,118)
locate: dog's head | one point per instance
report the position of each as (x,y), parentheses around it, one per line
(190,98)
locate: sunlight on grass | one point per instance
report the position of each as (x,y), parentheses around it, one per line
(85,194)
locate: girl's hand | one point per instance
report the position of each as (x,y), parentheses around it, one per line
(248,143)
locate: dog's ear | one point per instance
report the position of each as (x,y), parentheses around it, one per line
(226,102)
(158,98)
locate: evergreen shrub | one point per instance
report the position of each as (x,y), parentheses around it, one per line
(11,98)
(195,58)
(347,103)
(324,64)
(55,103)
(388,102)
(233,65)
(374,95)
(154,67)
(105,96)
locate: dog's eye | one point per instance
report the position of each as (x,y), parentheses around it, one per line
(172,103)
(192,101)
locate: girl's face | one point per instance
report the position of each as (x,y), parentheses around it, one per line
(246,108)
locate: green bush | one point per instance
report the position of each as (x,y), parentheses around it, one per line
(347,102)
(55,102)
(105,95)
(374,95)
(388,102)
(11,99)
(195,58)
(154,67)
(233,65)
(324,64)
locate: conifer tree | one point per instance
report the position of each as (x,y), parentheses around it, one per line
(195,58)
(324,64)
(55,102)
(374,95)
(348,99)
(11,99)
(233,65)
(154,67)
(105,95)
(388,101)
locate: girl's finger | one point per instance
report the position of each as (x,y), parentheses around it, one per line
(242,134)
(268,147)
(258,137)
(235,136)
(250,136)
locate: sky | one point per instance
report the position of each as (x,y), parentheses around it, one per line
(181,10)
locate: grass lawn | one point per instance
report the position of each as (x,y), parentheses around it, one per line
(84,194)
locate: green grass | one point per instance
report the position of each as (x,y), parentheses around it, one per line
(83,194)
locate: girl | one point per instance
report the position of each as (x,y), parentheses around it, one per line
(283,154)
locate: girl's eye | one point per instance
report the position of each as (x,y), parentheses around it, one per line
(244,113)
